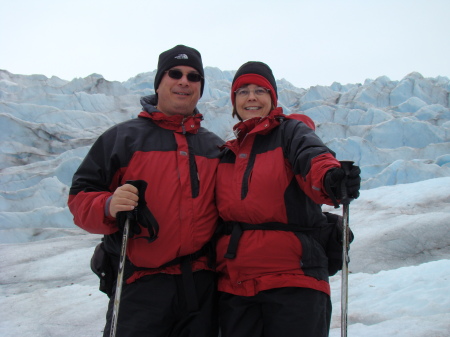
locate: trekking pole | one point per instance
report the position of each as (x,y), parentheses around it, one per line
(346,166)
(142,215)
(123,254)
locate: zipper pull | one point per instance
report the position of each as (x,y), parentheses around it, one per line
(183,128)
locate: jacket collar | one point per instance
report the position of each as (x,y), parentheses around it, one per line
(177,123)
(252,126)
(258,125)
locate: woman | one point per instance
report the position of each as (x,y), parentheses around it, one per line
(273,277)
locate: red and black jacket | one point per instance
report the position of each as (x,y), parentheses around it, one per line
(273,173)
(178,160)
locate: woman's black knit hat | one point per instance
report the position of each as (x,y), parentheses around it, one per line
(179,56)
(255,72)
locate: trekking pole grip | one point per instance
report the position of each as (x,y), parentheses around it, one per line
(141,185)
(346,165)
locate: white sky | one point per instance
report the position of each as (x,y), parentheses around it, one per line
(306,42)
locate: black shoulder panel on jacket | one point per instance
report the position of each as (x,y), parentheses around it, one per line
(301,145)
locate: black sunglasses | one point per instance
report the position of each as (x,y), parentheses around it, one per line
(177,74)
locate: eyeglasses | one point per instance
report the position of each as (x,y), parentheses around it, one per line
(177,74)
(244,92)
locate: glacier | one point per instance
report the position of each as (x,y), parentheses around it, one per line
(397,131)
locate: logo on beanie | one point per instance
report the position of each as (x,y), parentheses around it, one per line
(181,57)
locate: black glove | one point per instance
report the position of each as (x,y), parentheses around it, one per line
(342,185)
(140,215)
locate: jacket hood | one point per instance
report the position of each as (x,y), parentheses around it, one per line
(150,102)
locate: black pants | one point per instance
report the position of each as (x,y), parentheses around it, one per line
(287,312)
(155,306)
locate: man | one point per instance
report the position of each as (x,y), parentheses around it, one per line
(169,287)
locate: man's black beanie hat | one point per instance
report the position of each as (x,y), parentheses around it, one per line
(179,56)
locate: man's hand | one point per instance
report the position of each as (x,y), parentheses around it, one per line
(125,198)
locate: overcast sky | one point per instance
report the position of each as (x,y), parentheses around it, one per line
(314,42)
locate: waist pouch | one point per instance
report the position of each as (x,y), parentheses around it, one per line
(333,245)
(101,265)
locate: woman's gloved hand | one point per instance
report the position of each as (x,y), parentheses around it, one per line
(343,186)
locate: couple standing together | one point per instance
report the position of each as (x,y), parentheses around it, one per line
(222,235)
